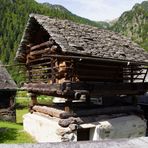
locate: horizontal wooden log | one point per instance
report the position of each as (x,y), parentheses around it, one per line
(55,49)
(134,73)
(42,45)
(37,65)
(44,51)
(107,66)
(112,78)
(79,104)
(36,90)
(48,110)
(4,111)
(109,61)
(100,111)
(97,71)
(34,76)
(41,69)
(96,89)
(84,120)
(39,52)
(61,80)
(38,61)
(105,72)
(42,88)
(30,57)
(97,65)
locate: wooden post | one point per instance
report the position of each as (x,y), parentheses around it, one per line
(11,108)
(52,70)
(134,100)
(87,99)
(33,101)
(11,103)
(68,106)
(145,75)
(132,75)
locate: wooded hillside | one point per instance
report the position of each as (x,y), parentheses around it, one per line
(13,17)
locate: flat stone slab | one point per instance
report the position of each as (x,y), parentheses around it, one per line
(119,143)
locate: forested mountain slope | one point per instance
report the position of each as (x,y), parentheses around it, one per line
(134,24)
(13,17)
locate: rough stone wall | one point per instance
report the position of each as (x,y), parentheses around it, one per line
(8,115)
(46,129)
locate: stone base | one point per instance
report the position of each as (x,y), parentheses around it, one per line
(7,115)
(46,129)
(122,127)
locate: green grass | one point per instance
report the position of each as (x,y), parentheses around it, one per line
(22,105)
(13,132)
(19,115)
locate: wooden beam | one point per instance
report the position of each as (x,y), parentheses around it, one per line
(33,101)
(68,89)
(124,62)
(100,111)
(40,69)
(102,78)
(105,88)
(145,75)
(40,52)
(38,61)
(48,110)
(42,45)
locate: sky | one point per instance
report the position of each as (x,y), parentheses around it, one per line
(98,10)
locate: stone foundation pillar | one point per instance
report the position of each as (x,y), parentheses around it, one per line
(33,101)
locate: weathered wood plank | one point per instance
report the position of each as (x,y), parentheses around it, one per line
(114,61)
(107,88)
(68,89)
(39,52)
(100,111)
(37,65)
(110,78)
(38,61)
(40,69)
(48,110)
(42,45)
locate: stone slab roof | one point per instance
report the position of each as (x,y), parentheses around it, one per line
(6,82)
(85,40)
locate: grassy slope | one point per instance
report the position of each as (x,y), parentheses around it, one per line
(13,132)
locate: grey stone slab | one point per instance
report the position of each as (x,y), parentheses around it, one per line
(120,143)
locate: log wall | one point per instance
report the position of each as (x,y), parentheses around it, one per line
(42,66)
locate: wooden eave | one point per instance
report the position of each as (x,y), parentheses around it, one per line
(80,57)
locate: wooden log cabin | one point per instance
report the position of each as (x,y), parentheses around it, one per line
(81,62)
(7,96)
(70,60)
